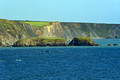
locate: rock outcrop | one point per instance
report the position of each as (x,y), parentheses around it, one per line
(83,41)
(40,41)
(11,31)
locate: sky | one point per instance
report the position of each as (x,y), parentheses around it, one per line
(93,11)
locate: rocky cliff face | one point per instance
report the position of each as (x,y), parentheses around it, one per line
(53,30)
(72,30)
(11,31)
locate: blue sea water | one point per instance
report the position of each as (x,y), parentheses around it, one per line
(60,63)
(105,42)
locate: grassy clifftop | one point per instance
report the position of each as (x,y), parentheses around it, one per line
(84,39)
(6,24)
(36,24)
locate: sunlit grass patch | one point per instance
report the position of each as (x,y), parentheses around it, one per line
(37,24)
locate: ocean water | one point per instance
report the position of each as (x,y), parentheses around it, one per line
(60,63)
(105,42)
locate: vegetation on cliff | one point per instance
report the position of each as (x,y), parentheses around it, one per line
(10,31)
(83,41)
(37,24)
(40,41)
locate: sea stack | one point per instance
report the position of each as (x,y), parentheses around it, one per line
(83,41)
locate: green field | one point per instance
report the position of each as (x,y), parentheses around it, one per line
(37,24)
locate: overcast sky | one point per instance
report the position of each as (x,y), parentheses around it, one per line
(94,11)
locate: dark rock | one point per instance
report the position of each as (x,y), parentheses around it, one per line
(115,45)
(83,41)
(47,51)
(109,44)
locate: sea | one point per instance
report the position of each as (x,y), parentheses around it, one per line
(61,63)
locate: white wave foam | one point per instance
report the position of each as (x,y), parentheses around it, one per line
(18,60)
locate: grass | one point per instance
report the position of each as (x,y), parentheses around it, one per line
(84,38)
(41,40)
(44,38)
(50,39)
(10,27)
(6,24)
(36,24)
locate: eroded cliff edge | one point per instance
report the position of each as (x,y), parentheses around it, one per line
(72,30)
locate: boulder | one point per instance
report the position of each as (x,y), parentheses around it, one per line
(83,41)
(115,45)
(40,41)
(109,44)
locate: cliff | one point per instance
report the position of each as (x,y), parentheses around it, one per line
(40,41)
(11,31)
(83,41)
(72,30)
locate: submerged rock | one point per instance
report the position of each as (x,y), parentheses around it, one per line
(40,41)
(115,45)
(109,44)
(83,41)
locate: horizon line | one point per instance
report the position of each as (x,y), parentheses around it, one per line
(67,22)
